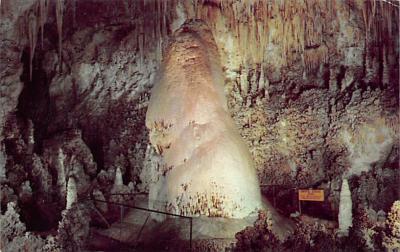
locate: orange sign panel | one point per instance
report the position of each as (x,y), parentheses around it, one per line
(311,195)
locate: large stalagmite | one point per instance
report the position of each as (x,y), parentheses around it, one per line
(207,168)
(345,209)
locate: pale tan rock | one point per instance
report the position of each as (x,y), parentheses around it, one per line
(207,166)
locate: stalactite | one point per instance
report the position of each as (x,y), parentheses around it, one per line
(164,19)
(314,57)
(262,38)
(141,43)
(373,8)
(59,20)
(367,21)
(195,8)
(32,37)
(387,20)
(385,69)
(159,37)
(253,43)
(73,13)
(243,40)
(141,25)
(43,10)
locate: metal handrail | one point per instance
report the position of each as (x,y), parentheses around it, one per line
(134,195)
(122,194)
(153,211)
(141,229)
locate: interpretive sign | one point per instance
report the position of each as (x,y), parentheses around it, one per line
(311,195)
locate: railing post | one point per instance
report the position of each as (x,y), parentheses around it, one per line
(298,199)
(191,228)
(121,212)
(273,195)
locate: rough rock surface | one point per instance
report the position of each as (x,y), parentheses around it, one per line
(313,104)
(67,156)
(12,45)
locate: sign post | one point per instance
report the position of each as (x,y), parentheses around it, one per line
(310,195)
(299,205)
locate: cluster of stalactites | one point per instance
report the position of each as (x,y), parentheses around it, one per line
(36,19)
(151,19)
(378,18)
(59,21)
(296,26)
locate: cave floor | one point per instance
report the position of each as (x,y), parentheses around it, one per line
(143,231)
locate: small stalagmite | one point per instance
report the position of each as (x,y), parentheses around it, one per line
(61,181)
(345,209)
(72,195)
(118,182)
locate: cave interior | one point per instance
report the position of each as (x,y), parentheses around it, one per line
(201,125)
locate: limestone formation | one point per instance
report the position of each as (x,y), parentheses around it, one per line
(345,209)
(207,167)
(61,178)
(392,240)
(310,89)
(72,195)
(118,178)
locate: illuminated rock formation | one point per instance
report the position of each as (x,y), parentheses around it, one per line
(368,144)
(61,180)
(392,240)
(207,168)
(311,85)
(71,192)
(118,178)
(345,209)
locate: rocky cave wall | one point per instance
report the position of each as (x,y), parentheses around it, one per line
(312,86)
